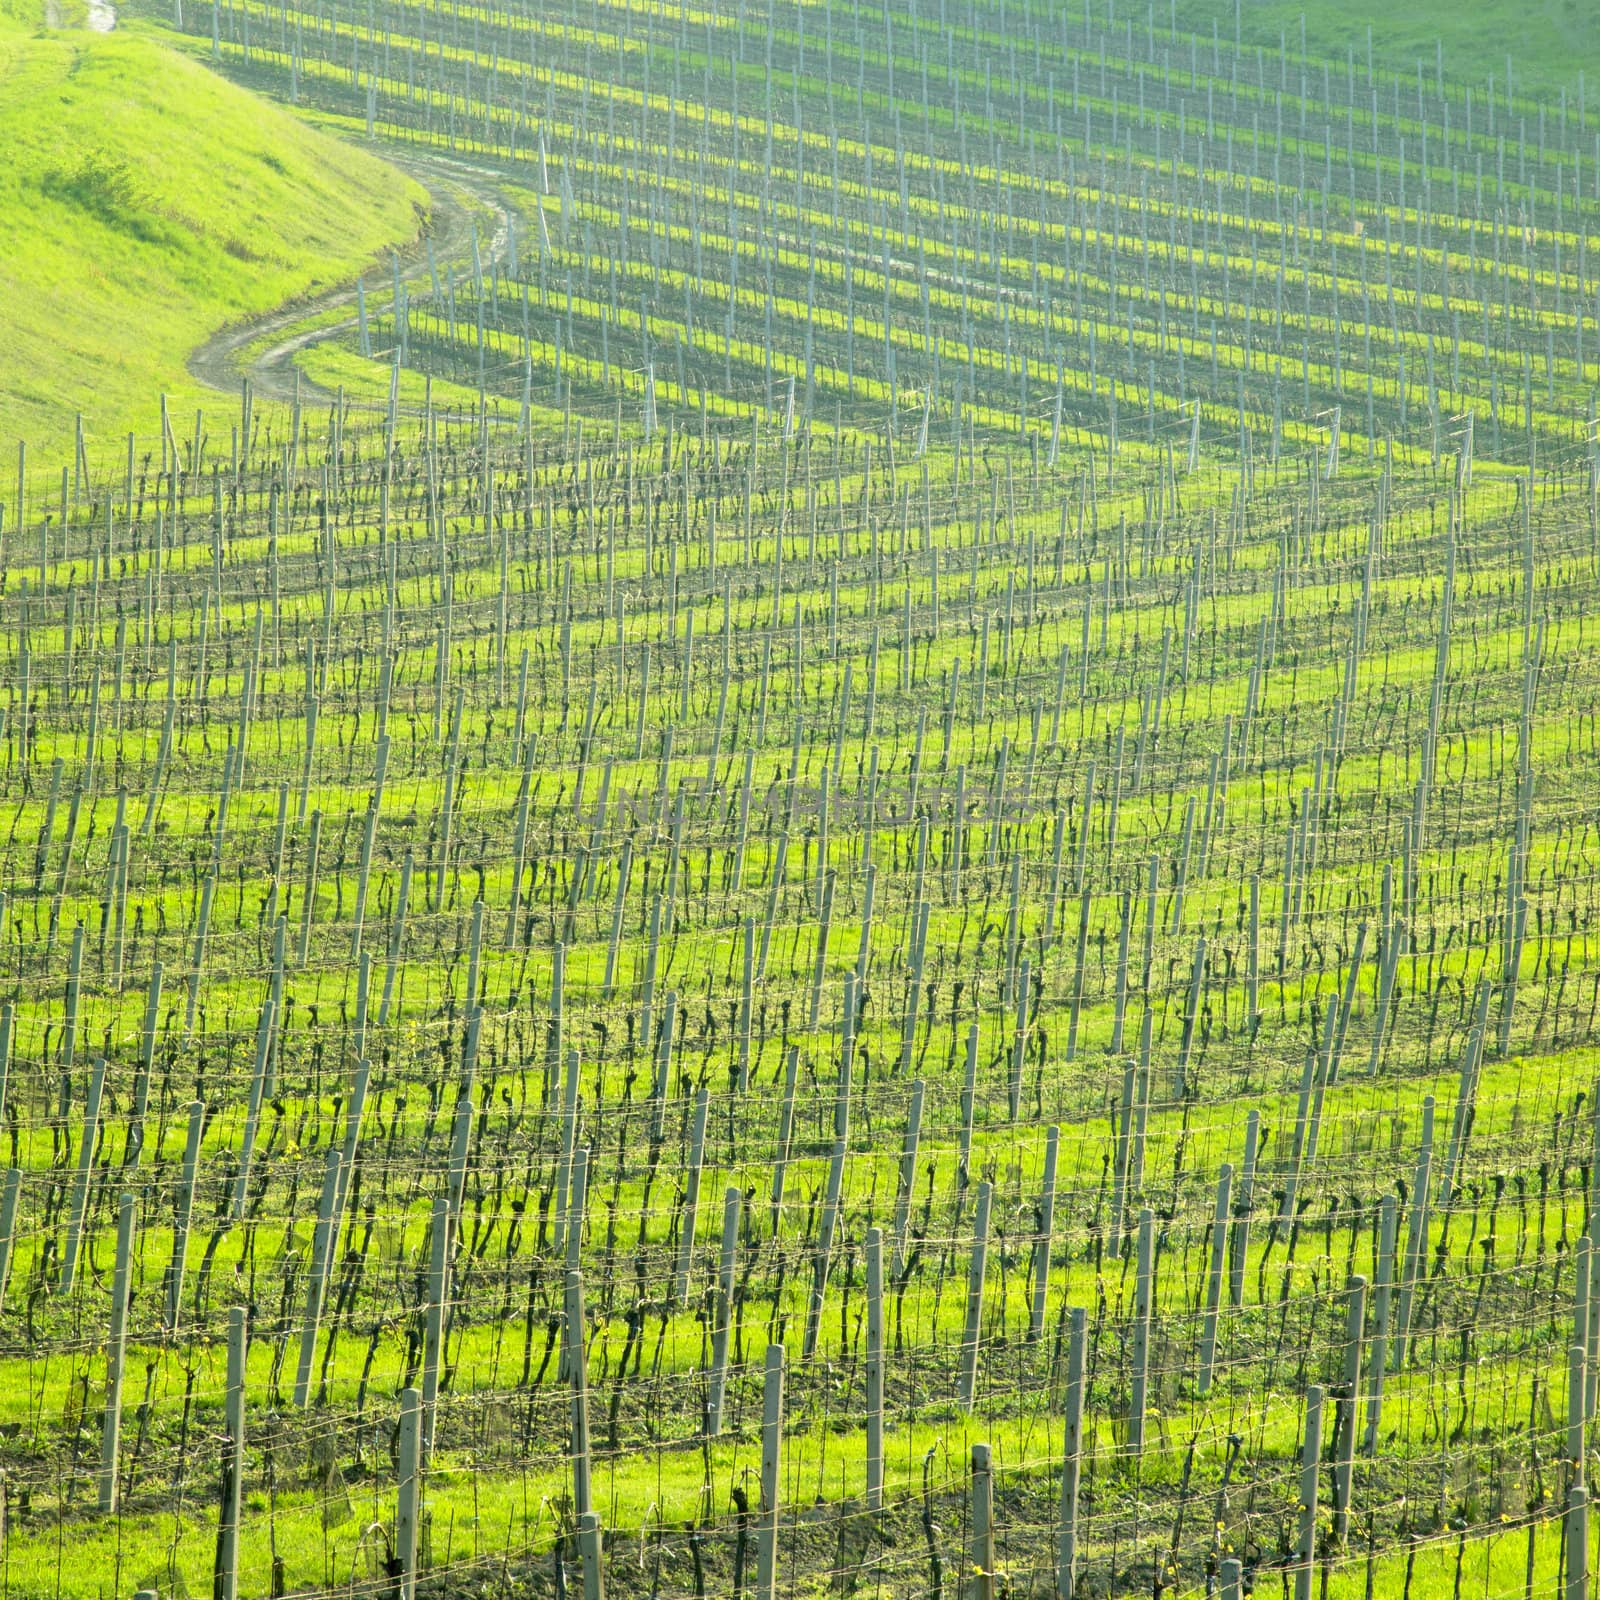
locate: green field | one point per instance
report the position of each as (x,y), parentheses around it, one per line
(1549,42)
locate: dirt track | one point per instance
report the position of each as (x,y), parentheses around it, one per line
(455,189)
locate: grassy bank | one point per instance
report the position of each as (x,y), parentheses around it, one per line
(146,203)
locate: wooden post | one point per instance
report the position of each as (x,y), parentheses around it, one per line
(1582,1282)
(1119,1176)
(1383,1291)
(691,1197)
(202,924)
(1416,1255)
(1575,1525)
(718,1385)
(354,1112)
(182,1211)
(397,933)
(976,1270)
(747,990)
(1576,1382)
(433,1332)
(252,1116)
(874,1369)
(1310,1463)
(408,1512)
(80,1192)
(1120,1005)
(321,1248)
(8,1226)
(1241,1224)
(1462,1120)
(908,1176)
(981,1585)
(1589,1336)
(309,892)
(1253,959)
(771,1447)
(833,1197)
(1141,1335)
(1041,1248)
(969,1093)
(227,1575)
(791,1066)
(1141,1106)
(1355,1317)
(578,1370)
(1067,1552)
(460,1146)
(577,1197)
(1019,1047)
(116,1340)
(1219,1244)
(6,1020)
(558,1011)
(589,1551)
(141,1082)
(824,926)
(1590,1223)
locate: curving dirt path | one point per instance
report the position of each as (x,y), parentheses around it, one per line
(455,189)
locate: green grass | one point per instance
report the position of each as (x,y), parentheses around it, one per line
(1549,41)
(146,203)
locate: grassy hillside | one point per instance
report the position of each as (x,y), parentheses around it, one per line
(1549,41)
(146,202)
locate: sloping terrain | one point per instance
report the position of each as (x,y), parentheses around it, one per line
(145,203)
(1550,42)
